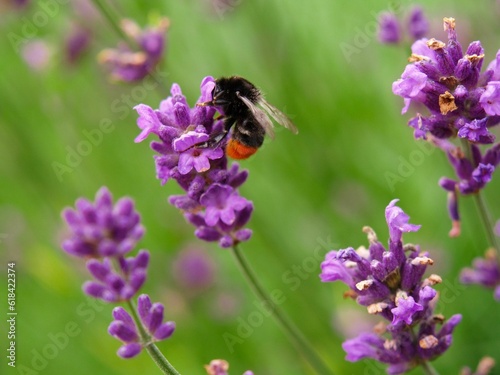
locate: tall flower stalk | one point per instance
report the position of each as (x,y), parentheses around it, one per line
(211,201)
(389,282)
(104,234)
(463,102)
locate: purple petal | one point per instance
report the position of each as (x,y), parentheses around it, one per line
(405,310)
(188,140)
(186,163)
(144,306)
(155,317)
(129,350)
(366,345)
(397,221)
(119,313)
(123,331)
(164,331)
(147,121)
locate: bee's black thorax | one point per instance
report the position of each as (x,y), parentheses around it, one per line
(226,92)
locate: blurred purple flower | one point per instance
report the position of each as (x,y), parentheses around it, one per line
(418,25)
(389,30)
(37,54)
(124,328)
(212,202)
(77,42)
(220,367)
(390,283)
(128,65)
(484,367)
(194,269)
(485,271)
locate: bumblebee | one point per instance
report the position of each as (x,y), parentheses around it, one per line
(245,110)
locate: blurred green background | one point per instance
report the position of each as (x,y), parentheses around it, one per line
(312,192)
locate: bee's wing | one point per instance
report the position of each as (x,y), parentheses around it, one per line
(261,116)
(278,116)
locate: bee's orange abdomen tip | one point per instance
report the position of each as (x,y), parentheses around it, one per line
(237,150)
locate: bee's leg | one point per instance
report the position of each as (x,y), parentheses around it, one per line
(216,138)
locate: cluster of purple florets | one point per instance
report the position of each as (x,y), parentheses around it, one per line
(105,233)
(389,283)
(212,202)
(131,65)
(392,30)
(461,102)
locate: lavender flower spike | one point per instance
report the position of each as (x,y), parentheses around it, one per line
(389,282)
(389,30)
(128,65)
(112,286)
(124,328)
(211,201)
(102,229)
(485,271)
(459,101)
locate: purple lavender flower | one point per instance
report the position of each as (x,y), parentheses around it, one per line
(473,174)
(77,43)
(485,271)
(220,367)
(389,282)
(101,229)
(194,269)
(112,286)
(418,25)
(125,329)
(129,66)
(107,231)
(462,102)
(389,30)
(453,85)
(212,202)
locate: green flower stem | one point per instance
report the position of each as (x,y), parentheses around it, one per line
(486,219)
(150,347)
(115,24)
(292,331)
(429,369)
(481,206)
